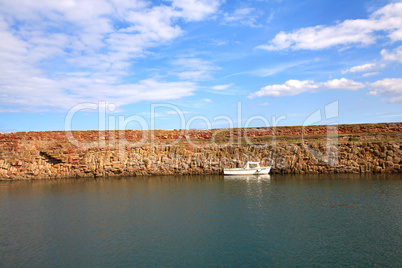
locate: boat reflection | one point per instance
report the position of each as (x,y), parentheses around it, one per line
(248,177)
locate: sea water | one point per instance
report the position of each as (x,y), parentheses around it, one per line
(203,221)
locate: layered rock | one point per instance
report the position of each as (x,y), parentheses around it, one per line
(354,148)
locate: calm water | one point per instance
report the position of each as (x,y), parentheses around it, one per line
(203,221)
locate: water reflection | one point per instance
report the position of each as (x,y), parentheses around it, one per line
(277,220)
(249,178)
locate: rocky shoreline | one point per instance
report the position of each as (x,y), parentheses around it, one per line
(364,148)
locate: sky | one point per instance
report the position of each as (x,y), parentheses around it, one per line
(120,64)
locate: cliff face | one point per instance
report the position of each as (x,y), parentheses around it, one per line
(318,149)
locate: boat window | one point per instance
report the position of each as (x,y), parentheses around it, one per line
(253,166)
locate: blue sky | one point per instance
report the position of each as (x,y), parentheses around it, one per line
(279,60)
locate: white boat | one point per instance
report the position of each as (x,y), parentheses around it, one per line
(251,168)
(258,178)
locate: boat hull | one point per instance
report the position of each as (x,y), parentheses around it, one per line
(247,177)
(251,171)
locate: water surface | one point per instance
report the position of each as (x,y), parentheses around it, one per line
(326,220)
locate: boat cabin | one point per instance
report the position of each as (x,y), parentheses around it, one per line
(251,165)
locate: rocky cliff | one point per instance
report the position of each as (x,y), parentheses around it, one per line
(315,149)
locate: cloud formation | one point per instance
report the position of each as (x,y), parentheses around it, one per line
(194,69)
(194,10)
(360,68)
(391,88)
(242,16)
(55,54)
(394,55)
(222,87)
(349,32)
(294,87)
(370,74)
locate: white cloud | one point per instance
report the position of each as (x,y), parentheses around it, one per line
(54,54)
(348,32)
(294,87)
(390,88)
(194,10)
(370,74)
(290,88)
(194,69)
(222,87)
(342,83)
(242,16)
(360,68)
(394,55)
(34,93)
